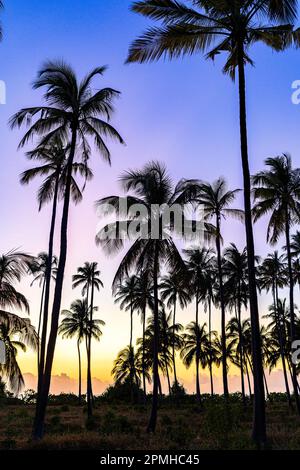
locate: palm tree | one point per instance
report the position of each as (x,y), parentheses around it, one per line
(53,168)
(75,323)
(13,266)
(277,192)
(39,271)
(152,237)
(236,289)
(215,200)
(74,114)
(174,288)
(17,334)
(123,367)
(88,277)
(197,348)
(214,27)
(200,263)
(273,276)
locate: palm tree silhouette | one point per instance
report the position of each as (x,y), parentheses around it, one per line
(200,263)
(73,114)
(277,192)
(54,169)
(88,277)
(153,244)
(174,288)
(123,367)
(77,323)
(230,27)
(215,200)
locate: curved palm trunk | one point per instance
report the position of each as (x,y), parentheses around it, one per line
(38,427)
(223,313)
(210,350)
(279,332)
(40,324)
(156,381)
(89,356)
(173,345)
(47,288)
(292,310)
(259,418)
(79,372)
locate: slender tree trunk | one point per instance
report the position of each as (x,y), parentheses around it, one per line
(48,276)
(89,354)
(198,389)
(259,418)
(210,350)
(248,378)
(292,308)
(173,345)
(153,416)
(279,333)
(223,313)
(266,385)
(39,325)
(38,428)
(79,372)
(241,347)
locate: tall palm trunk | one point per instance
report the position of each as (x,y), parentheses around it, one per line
(173,345)
(248,378)
(259,418)
(292,309)
(223,313)
(89,356)
(143,353)
(79,372)
(40,324)
(198,390)
(210,349)
(131,358)
(48,276)
(266,386)
(241,347)
(38,427)
(153,416)
(279,332)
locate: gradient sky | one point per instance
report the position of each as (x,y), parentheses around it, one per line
(183,113)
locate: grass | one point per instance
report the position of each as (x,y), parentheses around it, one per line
(122,427)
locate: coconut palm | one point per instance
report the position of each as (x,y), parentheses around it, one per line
(17,334)
(273,276)
(151,232)
(123,367)
(53,169)
(216,200)
(230,27)
(277,193)
(197,348)
(174,289)
(74,114)
(235,269)
(39,271)
(75,324)
(88,277)
(200,264)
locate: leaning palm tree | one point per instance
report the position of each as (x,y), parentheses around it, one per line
(53,168)
(88,277)
(174,289)
(200,264)
(17,334)
(146,222)
(75,324)
(214,27)
(216,200)
(74,114)
(277,192)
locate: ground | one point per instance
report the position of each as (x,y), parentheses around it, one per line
(122,427)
